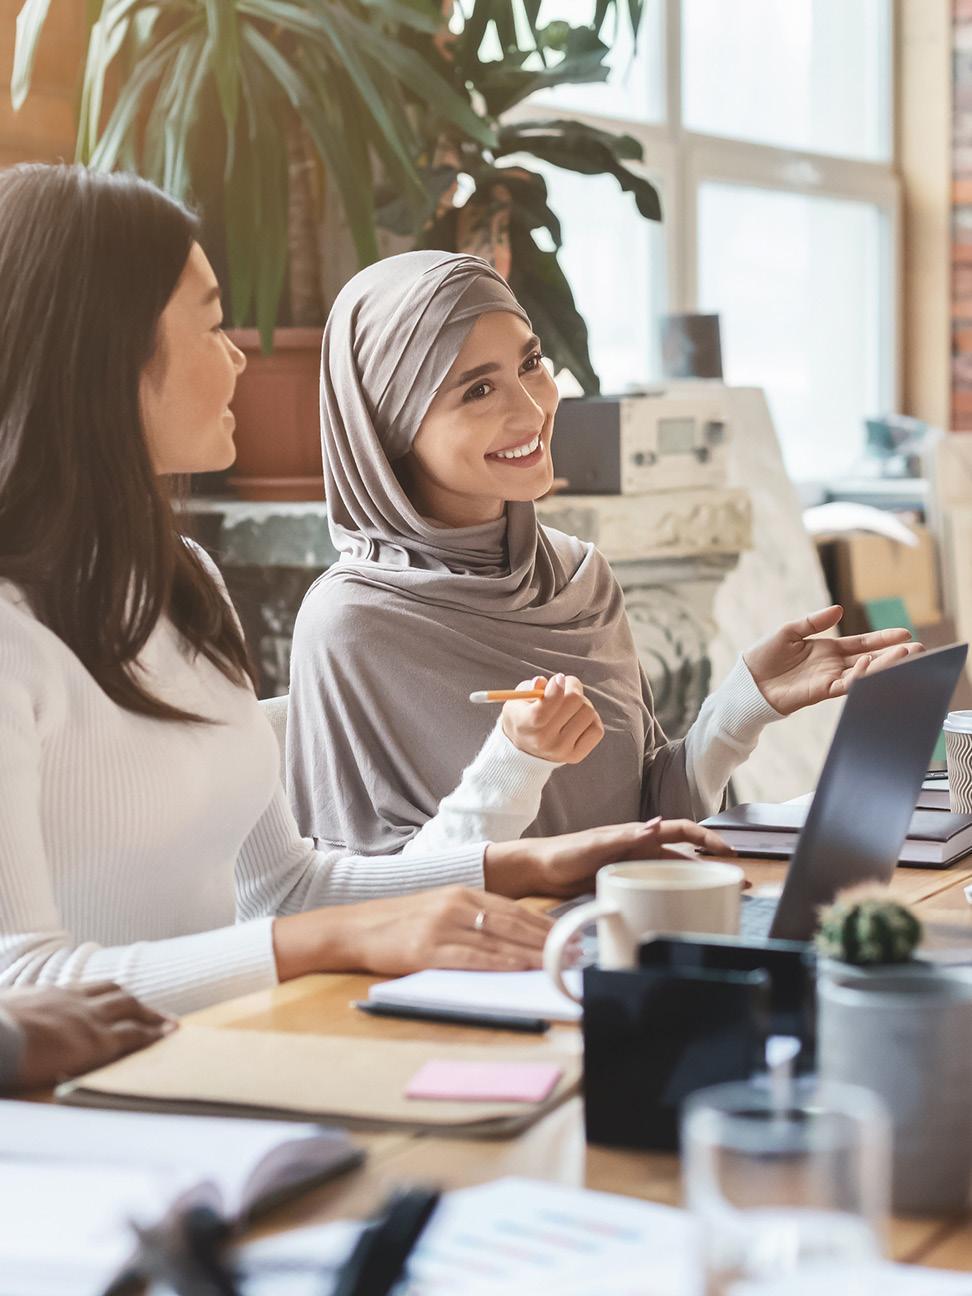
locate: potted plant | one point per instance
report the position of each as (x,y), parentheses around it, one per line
(318,135)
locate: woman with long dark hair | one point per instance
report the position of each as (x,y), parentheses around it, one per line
(144,834)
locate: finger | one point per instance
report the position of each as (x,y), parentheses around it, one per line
(126,1036)
(845,680)
(554,689)
(500,912)
(873,640)
(693,834)
(577,725)
(814,622)
(97,988)
(504,935)
(471,958)
(119,1006)
(588,741)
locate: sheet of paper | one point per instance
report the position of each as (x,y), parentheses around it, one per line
(517,1237)
(518,994)
(864,1280)
(67,1228)
(457,1080)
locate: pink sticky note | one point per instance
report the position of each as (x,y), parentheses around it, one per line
(484,1081)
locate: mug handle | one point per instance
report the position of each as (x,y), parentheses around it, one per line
(560,936)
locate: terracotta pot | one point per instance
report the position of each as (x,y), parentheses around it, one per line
(277,408)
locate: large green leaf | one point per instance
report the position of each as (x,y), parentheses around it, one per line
(325,124)
(577,147)
(529,193)
(124,117)
(224,49)
(368,86)
(540,285)
(420,17)
(30,24)
(504,84)
(421,78)
(182,118)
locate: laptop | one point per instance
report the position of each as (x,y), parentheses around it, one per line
(861,810)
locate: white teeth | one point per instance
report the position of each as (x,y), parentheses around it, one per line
(518,451)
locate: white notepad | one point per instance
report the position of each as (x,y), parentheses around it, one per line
(488,994)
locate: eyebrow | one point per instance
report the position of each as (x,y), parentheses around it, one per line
(481,370)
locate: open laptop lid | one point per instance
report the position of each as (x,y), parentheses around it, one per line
(867,792)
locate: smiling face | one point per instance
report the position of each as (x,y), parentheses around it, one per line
(188,384)
(485,438)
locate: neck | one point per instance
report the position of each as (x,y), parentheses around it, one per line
(447,508)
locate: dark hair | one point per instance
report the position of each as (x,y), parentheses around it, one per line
(87,263)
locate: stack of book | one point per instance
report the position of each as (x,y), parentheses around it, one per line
(936,838)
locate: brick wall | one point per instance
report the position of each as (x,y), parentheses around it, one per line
(961,419)
(43,130)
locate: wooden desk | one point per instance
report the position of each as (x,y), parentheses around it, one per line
(553,1148)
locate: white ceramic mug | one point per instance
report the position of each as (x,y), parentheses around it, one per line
(645,898)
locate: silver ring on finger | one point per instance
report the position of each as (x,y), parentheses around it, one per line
(479,922)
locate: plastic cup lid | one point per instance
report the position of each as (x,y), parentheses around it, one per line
(958,722)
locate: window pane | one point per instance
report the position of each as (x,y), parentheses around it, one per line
(801,74)
(635,88)
(614,261)
(803,288)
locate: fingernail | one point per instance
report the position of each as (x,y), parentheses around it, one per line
(169,1025)
(653,823)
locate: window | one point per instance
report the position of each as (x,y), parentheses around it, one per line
(768,129)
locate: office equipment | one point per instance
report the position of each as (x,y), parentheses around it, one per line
(936,838)
(487,994)
(790,965)
(455,1017)
(635,445)
(859,815)
(655,1035)
(310,1077)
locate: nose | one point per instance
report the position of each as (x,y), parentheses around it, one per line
(236,355)
(527,409)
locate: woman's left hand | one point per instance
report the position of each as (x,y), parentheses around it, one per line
(792,669)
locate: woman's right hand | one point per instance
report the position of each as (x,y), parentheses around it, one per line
(562,726)
(69,1031)
(400,934)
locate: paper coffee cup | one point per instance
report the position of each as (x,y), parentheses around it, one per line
(958,757)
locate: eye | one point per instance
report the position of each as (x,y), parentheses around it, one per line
(218,328)
(478,392)
(533,362)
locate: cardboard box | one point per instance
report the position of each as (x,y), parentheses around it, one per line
(863,566)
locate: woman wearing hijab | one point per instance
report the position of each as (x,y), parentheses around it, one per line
(144,834)
(437,415)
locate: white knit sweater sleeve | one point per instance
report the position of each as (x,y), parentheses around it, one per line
(280,872)
(724,735)
(180,973)
(497,799)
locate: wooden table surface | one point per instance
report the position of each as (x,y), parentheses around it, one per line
(553,1148)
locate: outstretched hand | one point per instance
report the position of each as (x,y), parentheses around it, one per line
(793,669)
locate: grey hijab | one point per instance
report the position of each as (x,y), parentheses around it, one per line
(392,639)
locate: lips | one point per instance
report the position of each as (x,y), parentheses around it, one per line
(526,452)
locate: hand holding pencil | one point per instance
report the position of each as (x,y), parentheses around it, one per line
(552,719)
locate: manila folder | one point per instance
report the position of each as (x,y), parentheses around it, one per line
(201,1069)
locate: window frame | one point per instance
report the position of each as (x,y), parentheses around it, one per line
(683,161)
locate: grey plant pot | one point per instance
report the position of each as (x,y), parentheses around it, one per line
(905,1032)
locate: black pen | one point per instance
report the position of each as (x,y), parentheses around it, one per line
(453,1017)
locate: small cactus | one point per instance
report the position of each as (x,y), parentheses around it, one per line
(865,926)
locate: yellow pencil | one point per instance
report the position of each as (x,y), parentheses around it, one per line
(505,695)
